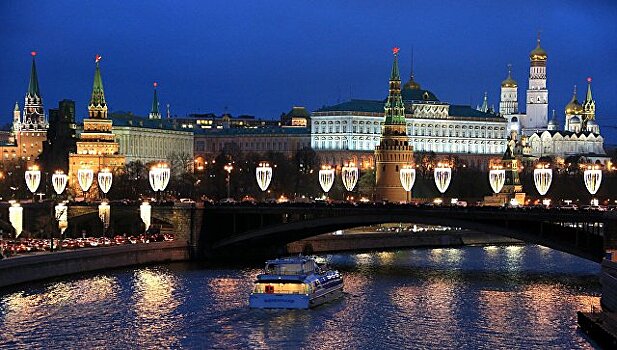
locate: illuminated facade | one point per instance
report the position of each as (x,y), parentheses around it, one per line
(97,148)
(353,128)
(394,150)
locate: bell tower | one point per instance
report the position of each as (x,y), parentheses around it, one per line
(536,117)
(394,150)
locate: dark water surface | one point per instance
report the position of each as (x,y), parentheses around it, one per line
(516,297)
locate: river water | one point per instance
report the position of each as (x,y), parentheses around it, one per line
(471,298)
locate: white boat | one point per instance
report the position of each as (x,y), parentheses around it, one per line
(295,283)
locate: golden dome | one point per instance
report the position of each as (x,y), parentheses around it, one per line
(538,54)
(573,107)
(412,84)
(509,82)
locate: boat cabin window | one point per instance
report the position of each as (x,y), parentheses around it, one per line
(290,268)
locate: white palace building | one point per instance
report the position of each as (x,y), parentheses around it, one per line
(349,131)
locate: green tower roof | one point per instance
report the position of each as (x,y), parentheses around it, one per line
(155,101)
(588,97)
(394,108)
(98,94)
(33,86)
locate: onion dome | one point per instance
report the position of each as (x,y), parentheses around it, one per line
(573,107)
(538,54)
(553,125)
(509,82)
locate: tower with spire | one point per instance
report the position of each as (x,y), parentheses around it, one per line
(34,113)
(508,103)
(484,107)
(589,111)
(97,148)
(536,117)
(154,112)
(394,150)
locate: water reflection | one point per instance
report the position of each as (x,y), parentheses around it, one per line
(473,297)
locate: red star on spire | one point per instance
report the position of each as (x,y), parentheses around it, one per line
(33,53)
(395,50)
(155,84)
(589,79)
(97,58)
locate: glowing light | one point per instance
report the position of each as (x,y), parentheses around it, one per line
(145,212)
(33,178)
(349,175)
(263,174)
(105,178)
(61,212)
(16,215)
(395,50)
(85,178)
(407,175)
(58,180)
(593,179)
(589,79)
(159,177)
(97,58)
(497,178)
(105,213)
(326,178)
(443,175)
(155,84)
(33,53)
(542,178)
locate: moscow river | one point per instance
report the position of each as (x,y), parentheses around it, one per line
(466,298)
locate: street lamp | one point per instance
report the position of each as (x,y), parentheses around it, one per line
(326,178)
(542,178)
(58,180)
(228,168)
(33,179)
(85,177)
(263,174)
(16,217)
(349,175)
(145,212)
(443,175)
(592,176)
(407,175)
(159,177)
(105,178)
(497,178)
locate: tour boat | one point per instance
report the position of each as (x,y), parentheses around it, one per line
(295,283)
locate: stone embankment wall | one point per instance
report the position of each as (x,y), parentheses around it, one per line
(608,278)
(28,268)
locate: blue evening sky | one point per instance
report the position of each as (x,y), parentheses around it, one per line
(263,57)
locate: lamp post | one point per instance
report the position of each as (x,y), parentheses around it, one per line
(105,178)
(326,178)
(158,177)
(85,177)
(443,175)
(33,179)
(16,217)
(497,178)
(263,175)
(407,175)
(542,178)
(59,180)
(592,176)
(228,168)
(145,213)
(349,175)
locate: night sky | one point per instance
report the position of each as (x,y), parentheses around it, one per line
(263,57)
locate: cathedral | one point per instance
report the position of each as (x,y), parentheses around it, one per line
(532,135)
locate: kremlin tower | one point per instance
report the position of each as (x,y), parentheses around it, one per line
(508,103)
(393,151)
(96,147)
(536,117)
(154,113)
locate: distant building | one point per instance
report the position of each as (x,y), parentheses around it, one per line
(211,121)
(61,137)
(97,148)
(262,140)
(297,117)
(29,129)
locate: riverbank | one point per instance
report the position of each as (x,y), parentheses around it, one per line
(375,241)
(28,268)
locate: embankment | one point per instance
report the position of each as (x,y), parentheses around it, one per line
(28,268)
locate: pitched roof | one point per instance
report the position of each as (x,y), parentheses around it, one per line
(33,86)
